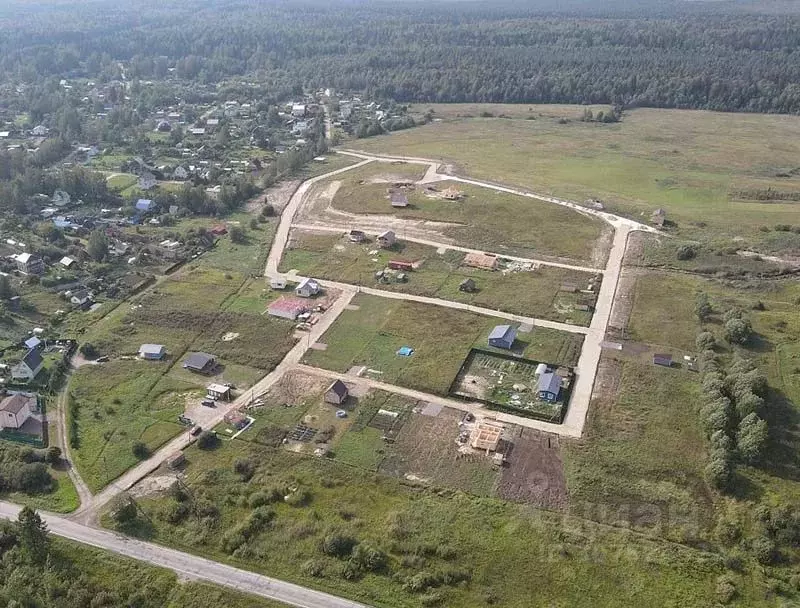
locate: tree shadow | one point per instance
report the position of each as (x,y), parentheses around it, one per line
(781,456)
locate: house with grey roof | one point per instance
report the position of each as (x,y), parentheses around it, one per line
(30,366)
(201,363)
(337,393)
(503,336)
(16,409)
(307,288)
(152,352)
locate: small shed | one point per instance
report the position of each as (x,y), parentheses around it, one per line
(484,261)
(549,386)
(399,200)
(220,392)
(201,363)
(386,239)
(662,360)
(33,342)
(307,288)
(401,265)
(468,286)
(503,336)
(176,461)
(152,352)
(658,218)
(337,393)
(144,205)
(277,283)
(541,369)
(357,236)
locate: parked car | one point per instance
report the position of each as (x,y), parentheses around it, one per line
(208,403)
(196,430)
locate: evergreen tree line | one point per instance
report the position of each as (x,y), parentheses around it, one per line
(677,57)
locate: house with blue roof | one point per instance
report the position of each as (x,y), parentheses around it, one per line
(144,205)
(503,336)
(549,386)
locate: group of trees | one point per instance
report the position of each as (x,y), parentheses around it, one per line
(693,55)
(26,470)
(732,402)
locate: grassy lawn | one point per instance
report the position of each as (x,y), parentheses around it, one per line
(510,554)
(127,400)
(530,293)
(372,335)
(121,181)
(642,456)
(484,218)
(691,163)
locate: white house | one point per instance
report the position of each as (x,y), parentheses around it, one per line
(29,367)
(15,410)
(307,288)
(66,261)
(298,110)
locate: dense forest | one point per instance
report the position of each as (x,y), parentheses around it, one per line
(720,56)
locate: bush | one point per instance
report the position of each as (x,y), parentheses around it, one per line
(244,468)
(268,210)
(338,545)
(207,440)
(254,224)
(705,341)
(764,550)
(238,235)
(53,455)
(299,498)
(686,252)
(178,513)
(719,471)
(123,510)
(265,497)
(368,558)
(726,590)
(313,568)
(140,450)
(738,331)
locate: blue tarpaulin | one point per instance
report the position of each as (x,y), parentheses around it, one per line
(405,351)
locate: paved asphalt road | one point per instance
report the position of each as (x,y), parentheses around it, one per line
(186,565)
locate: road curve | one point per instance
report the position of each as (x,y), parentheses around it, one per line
(187,565)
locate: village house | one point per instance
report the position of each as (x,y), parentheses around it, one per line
(29,263)
(29,367)
(152,352)
(80,298)
(201,363)
(221,392)
(307,288)
(16,409)
(287,308)
(147,181)
(549,386)
(144,205)
(277,283)
(180,173)
(483,261)
(33,342)
(337,393)
(503,336)
(66,262)
(40,131)
(386,239)
(298,110)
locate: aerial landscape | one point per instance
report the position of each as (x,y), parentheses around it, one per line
(357,304)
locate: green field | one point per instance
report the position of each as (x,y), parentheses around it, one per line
(441,337)
(483,218)
(510,554)
(658,407)
(691,163)
(121,181)
(528,293)
(127,400)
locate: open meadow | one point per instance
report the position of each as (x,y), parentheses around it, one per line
(481,218)
(429,546)
(715,174)
(529,292)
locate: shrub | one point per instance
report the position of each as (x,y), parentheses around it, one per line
(53,455)
(368,558)
(178,512)
(207,440)
(238,235)
(299,498)
(313,568)
(764,550)
(705,341)
(123,510)
(140,450)
(719,471)
(244,468)
(738,331)
(338,545)
(89,350)
(726,590)
(686,252)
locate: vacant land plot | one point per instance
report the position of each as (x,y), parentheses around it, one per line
(642,456)
(426,450)
(517,556)
(534,292)
(482,218)
(534,471)
(126,401)
(372,335)
(693,164)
